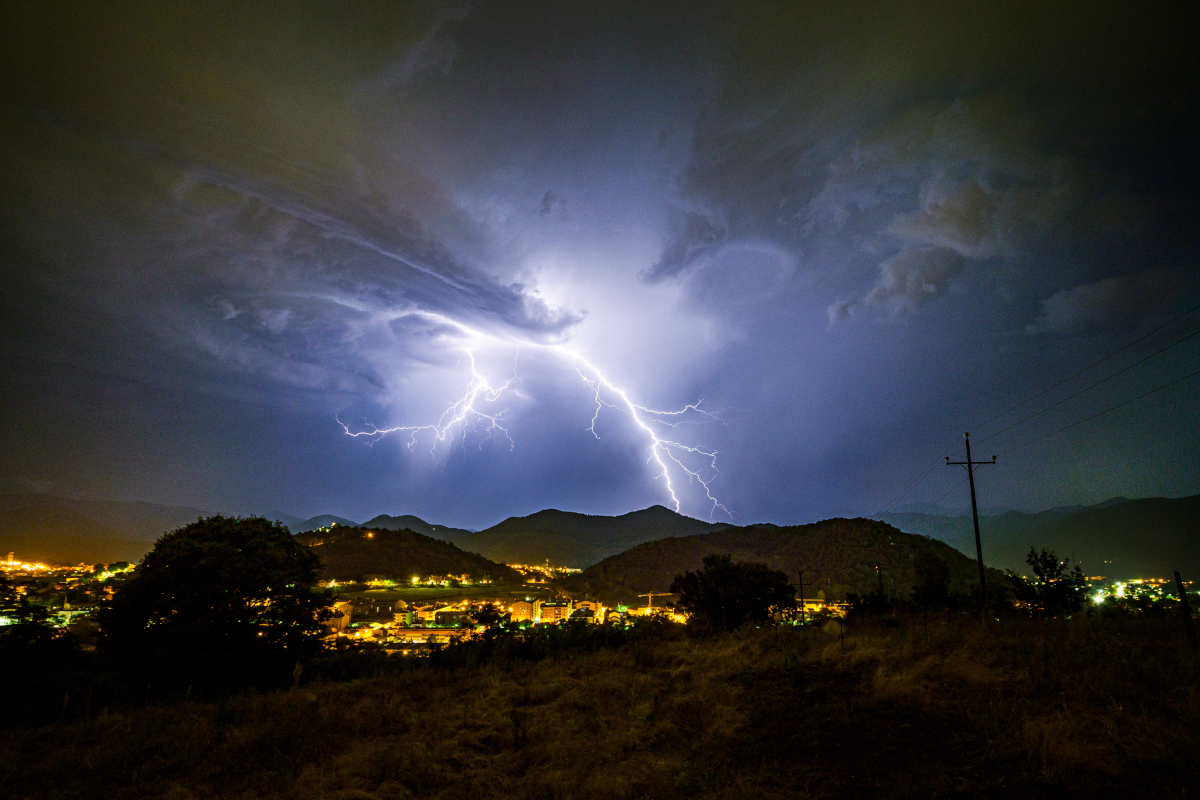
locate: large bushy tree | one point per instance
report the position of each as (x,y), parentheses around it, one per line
(1055,589)
(726,594)
(221,602)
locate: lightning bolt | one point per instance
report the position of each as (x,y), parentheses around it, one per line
(470,412)
(460,417)
(659,447)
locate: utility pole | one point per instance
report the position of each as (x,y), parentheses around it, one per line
(800,584)
(1186,608)
(971,465)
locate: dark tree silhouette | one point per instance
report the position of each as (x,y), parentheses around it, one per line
(725,594)
(36,659)
(488,615)
(1055,590)
(222,602)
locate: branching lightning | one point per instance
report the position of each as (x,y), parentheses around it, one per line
(473,411)
(460,417)
(659,447)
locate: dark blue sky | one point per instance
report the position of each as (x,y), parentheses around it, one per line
(852,231)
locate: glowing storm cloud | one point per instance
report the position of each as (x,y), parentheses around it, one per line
(474,410)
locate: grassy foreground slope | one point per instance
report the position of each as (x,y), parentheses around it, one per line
(837,556)
(569,539)
(351,554)
(1078,708)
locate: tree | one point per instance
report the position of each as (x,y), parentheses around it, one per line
(1055,590)
(725,594)
(36,658)
(487,615)
(220,602)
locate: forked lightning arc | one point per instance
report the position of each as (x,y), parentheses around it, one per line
(471,412)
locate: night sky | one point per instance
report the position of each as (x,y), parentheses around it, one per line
(849,231)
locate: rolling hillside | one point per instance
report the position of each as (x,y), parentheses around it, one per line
(578,540)
(320,521)
(1118,538)
(837,556)
(350,554)
(409,522)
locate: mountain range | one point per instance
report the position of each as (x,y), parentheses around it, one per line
(1118,538)
(136,520)
(565,538)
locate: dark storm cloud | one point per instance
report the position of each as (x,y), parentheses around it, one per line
(269,225)
(893,150)
(1126,298)
(223,224)
(696,236)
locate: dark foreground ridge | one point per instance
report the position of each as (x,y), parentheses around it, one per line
(948,708)
(838,556)
(357,554)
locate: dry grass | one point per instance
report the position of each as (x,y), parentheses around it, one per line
(1015,709)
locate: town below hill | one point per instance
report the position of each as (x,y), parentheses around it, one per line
(1120,538)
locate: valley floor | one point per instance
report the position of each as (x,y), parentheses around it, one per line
(952,708)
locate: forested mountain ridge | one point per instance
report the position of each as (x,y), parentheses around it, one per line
(577,540)
(837,556)
(354,554)
(409,522)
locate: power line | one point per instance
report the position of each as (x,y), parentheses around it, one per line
(911,486)
(948,491)
(1102,413)
(1092,386)
(1070,378)
(928,471)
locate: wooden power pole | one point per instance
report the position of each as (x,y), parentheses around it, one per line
(971,465)
(800,584)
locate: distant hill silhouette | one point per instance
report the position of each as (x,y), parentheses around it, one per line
(409,522)
(838,556)
(347,553)
(291,521)
(60,536)
(129,519)
(1118,538)
(321,521)
(578,540)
